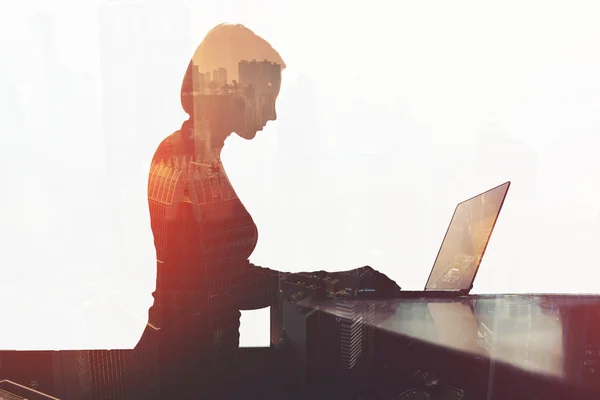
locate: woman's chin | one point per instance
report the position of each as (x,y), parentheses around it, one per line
(249,135)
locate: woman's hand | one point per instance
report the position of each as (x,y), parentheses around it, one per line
(372,279)
(366,278)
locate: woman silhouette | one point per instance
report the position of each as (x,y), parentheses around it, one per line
(202,231)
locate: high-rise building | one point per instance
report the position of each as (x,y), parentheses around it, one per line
(328,333)
(264,79)
(265,75)
(351,338)
(591,359)
(10,390)
(142,365)
(107,372)
(75,374)
(277,337)
(581,344)
(301,335)
(202,140)
(222,76)
(198,79)
(368,333)
(33,369)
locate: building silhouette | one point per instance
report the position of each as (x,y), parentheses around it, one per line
(107,374)
(263,79)
(74,374)
(10,390)
(328,331)
(581,324)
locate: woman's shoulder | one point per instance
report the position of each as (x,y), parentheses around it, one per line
(171,146)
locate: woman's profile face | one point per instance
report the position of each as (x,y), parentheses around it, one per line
(267,111)
(234,67)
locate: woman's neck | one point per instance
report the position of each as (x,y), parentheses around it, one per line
(202,141)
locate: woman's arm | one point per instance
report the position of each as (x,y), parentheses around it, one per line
(261,286)
(264,284)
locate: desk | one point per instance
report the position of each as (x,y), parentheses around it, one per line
(512,343)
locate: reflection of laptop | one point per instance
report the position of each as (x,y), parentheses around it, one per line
(463,246)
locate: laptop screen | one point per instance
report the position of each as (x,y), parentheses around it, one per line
(466,239)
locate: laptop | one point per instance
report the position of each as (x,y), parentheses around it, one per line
(463,247)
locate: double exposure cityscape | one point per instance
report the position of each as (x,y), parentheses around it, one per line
(334,335)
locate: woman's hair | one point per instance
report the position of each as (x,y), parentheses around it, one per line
(225,46)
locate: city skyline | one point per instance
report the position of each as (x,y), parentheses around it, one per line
(204,234)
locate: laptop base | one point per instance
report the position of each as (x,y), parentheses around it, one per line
(431,294)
